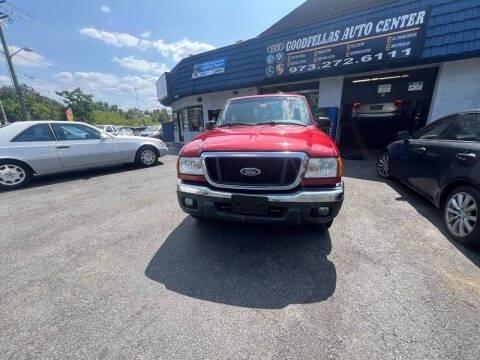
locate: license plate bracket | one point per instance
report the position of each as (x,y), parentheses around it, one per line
(255,205)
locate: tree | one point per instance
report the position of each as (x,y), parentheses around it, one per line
(160,116)
(81,104)
(40,107)
(134,114)
(102,106)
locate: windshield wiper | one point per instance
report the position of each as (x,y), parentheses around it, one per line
(281,123)
(230,124)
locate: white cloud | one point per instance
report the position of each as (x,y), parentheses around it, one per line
(176,50)
(30,59)
(112,38)
(146,34)
(180,49)
(105,9)
(5,80)
(140,65)
(114,89)
(64,76)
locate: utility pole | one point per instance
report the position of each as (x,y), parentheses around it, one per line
(136,97)
(12,70)
(4,116)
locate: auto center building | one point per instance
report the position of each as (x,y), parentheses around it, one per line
(373,67)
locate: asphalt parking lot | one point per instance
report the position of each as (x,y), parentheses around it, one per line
(105,265)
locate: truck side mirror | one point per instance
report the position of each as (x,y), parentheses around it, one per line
(323,122)
(403,135)
(210,125)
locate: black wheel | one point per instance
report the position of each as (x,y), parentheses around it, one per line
(14,174)
(460,215)
(147,156)
(383,165)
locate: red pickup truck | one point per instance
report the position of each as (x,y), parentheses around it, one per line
(264,160)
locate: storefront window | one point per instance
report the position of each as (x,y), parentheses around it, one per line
(190,119)
(185,119)
(195,118)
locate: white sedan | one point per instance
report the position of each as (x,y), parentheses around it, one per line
(31,148)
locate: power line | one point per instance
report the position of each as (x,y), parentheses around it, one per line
(8,57)
(22,11)
(65,70)
(66,40)
(64,86)
(129,92)
(96,92)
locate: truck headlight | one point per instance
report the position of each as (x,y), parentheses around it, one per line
(190,166)
(322,168)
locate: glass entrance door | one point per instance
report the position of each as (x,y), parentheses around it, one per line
(178,122)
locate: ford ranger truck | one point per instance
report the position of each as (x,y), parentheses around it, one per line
(264,160)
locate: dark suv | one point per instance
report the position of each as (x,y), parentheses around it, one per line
(441,162)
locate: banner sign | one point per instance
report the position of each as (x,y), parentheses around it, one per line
(397,36)
(209,68)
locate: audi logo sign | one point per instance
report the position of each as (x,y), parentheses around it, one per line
(275,48)
(250,172)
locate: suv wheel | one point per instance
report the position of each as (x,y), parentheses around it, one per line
(383,165)
(147,156)
(460,214)
(14,174)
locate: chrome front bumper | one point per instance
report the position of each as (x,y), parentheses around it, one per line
(328,195)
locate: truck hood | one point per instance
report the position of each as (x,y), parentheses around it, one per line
(309,139)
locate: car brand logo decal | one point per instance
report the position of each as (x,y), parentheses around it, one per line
(275,48)
(280,68)
(250,171)
(279,56)
(270,70)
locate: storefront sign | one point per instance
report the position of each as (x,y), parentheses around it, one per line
(415,86)
(209,68)
(398,36)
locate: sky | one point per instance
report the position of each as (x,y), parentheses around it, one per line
(112,48)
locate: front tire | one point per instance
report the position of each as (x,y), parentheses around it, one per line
(383,165)
(147,156)
(14,174)
(461,215)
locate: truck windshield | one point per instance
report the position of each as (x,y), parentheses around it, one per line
(266,110)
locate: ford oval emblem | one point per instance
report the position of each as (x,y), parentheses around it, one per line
(250,171)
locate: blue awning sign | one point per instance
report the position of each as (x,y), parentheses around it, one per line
(387,39)
(209,68)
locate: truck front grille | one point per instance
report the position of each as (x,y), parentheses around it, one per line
(273,171)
